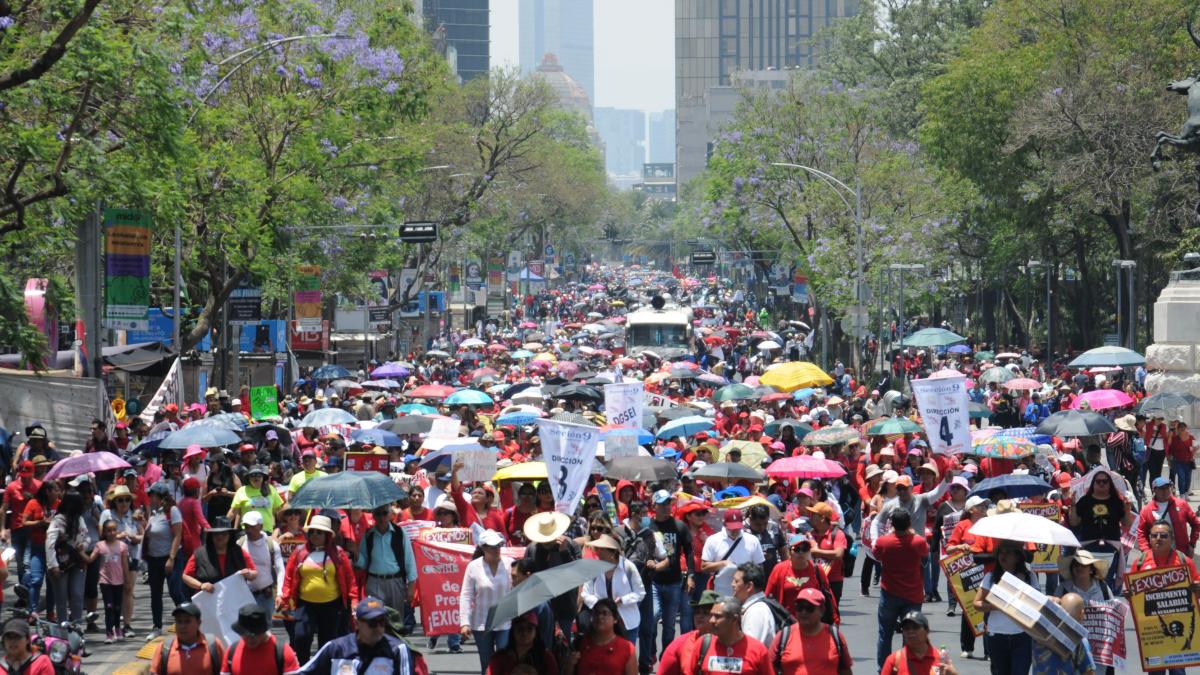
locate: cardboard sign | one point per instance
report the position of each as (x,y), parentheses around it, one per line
(264,402)
(1046,510)
(965,576)
(1165,616)
(1047,623)
(444,427)
(943,405)
(478,465)
(1045,559)
(445,535)
(366,461)
(623,403)
(620,445)
(1105,623)
(227,597)
(949,522)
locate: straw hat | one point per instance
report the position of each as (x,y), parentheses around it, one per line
(118,491)
(1082,557)
(605,541)
(1003,506)
(1126,423)
(545,527)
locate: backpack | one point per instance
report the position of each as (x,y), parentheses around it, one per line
(1139,449)
(787,632)
(779,613)
(213,657)
(233,648)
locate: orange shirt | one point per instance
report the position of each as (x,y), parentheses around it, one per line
(902,662)
(194,661)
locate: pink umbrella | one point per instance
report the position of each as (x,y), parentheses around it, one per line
(1103,399)
(88,462)
(568,368)
(751,381)
(805,466)
(528,324)
(1022,383)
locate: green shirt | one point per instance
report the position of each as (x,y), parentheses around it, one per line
(248,499)
(300,479)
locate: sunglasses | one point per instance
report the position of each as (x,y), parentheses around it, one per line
(605,530)
(1159,535)
(1100,481)
(806,607)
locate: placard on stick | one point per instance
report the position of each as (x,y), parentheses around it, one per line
(264,402)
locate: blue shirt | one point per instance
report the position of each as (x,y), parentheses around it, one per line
(1047,662)
(383,563)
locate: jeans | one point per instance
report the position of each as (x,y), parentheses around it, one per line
(1051,584)
(932,572)
(156,570)
(687,621)
(68,593)
(891,608)
(266,602)
(325,621)
(37,574)
(1010,654)
(22,548)
(1181,472)
(647,631)
(114,597)
(489,642)
(669,598)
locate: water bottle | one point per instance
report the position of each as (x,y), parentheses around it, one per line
(941,667)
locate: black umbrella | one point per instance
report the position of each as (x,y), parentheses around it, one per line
(347,490)
(409,424)
(1166,404)
(516,389)
(258,434)
(572,418)
(542,586)
(1068,423)
(677,412)
(583,375)
(683,373)
(649,421)
(535,336)
(579,392)
(645,469)
(1014,485)
(728,471)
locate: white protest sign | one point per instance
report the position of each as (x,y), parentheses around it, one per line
(220,607)
(659,400)
(170,391)
(478,465)
(943,405)
(569,451)
(623,403)
(444,427)
(620,445)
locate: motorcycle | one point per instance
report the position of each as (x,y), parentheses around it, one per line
(63,642)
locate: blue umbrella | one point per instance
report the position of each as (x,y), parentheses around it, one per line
(417,409)
(521,354)
(685,426)
(327,417)
(206,436)
(347,490)
(959,349)
(1107,356)
(1014,485)
(517,419)
(643,437)
(377,437)
(802,394)
(468,397)
(1028,433)
(231,421)
(330,372)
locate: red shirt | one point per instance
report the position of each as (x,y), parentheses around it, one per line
(195,661)
(747,654)
(816,654)
(18,495)
(900,556)
(604,659)
(833,538)
(785,583)
(194,523)
(669,663)
(504,662)
(1173,560)
(902,662)
(261,659)
(190,568)
(40,665)
(34,511)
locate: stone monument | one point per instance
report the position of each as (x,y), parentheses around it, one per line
(1174,358)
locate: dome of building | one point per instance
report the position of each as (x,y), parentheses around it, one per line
(571,95)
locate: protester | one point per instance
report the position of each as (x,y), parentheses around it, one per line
(603,649)
(918,656)
(810,645)
(524,650)
(68,552)
(669,663)
(13,528)
(19,655)
(258,652)
(368,649)
(727,643)
(264,554)
(1097,517)
(218,558)
(36,518)
(1174,510)
(758,618)
(386,556)
(258,494)
(549,548)
(318,588)
(164,533)
(1009,646)
(486,580)
(189,652)
(727,549)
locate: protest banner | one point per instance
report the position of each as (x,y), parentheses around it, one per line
(440,569)
(412,528)
(965,576)
(943,405)
(264,402)
(949,522)
(128,235)
(444,427)
(444,535)
(1045,559)
(1045,509)
(220,607)
(367,461)
(1105,623)
(570,451)
(170,391)
(659,400)
(1165,617)
(624,403)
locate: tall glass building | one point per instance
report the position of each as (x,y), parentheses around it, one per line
(466,24)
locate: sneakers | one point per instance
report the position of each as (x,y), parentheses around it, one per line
(157,632)
(108,638)
(966,655)
(126,631)
(456,650)
(949,611)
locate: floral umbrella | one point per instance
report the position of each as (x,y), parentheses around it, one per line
(1003,447)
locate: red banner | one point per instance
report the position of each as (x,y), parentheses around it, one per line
(440,570)
(367,461)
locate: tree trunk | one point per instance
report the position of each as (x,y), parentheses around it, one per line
(1085,294)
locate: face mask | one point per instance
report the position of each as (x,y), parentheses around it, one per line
(645,522)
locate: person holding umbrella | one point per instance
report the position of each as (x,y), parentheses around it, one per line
(1097,518)
(623,584)
(603,649)
(525,649)
(549,548)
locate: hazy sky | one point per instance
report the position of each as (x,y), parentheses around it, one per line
(635,50)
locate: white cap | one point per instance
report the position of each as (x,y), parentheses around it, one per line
(890,476)
(252,518)
(491,538)
(974,501)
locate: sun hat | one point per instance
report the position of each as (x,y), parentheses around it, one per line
(1126,423)
(873,471)
(119,491)
(222,525)
(1083,557)
(321,524)
(1003,506)
(545,527)
(605,541)
(252,619)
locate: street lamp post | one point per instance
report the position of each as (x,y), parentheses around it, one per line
(856,191)
(1122,266)
(901,268)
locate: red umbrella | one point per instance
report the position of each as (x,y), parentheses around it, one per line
(714,340)
(431,391)
(625,362)
(497,348)
(602,352)
(777,396)
(483,372)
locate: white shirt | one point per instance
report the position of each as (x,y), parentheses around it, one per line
(757,620)
(270,567)
(431,495)
(481,590)
(749,550)
(627,587)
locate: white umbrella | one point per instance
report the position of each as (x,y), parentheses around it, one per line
(532,394)
(471,342)
(1022,526)
(768,344)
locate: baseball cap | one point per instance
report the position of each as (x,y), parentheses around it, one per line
(1161,482)
(662,497)
(916,617)
(905,480)
(272,435)
(252,518)
(708,598)
(491,538)
(191,483)
(974,501)
(369,608)
(187,608)
(26,468)
(732,519)
(822,509)
(810,595)
(17,627)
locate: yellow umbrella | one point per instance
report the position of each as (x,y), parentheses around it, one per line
(795,375)
(545,356)
(752,453)
(522,471)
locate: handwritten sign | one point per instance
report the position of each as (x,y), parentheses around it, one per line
(264,402)
(1165,616)
(478,465)
(965,577)
(620,445)
(943,405)
(367,461)
(444,428)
